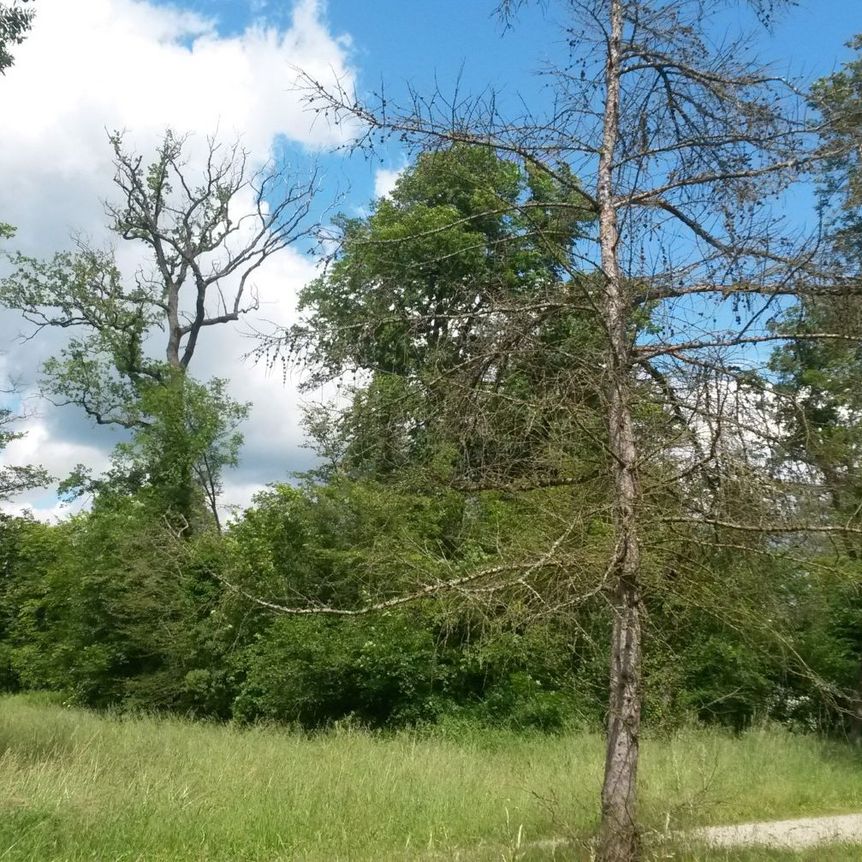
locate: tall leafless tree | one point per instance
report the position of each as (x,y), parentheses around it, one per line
(208,231)
(681,146)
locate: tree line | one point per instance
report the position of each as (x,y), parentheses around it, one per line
(597,408)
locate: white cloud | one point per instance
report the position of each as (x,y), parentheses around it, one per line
(385,180)
(128,64)
(43,446)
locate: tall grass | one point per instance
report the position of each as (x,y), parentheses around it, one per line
(75,785)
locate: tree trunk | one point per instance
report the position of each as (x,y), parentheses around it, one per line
(619,839)
(172,353)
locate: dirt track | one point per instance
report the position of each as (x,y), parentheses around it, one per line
(785,834)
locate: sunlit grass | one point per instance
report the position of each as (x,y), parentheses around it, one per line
(76,785)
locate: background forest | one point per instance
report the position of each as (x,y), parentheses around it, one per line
(121,606)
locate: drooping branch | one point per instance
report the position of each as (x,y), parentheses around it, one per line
(766,529)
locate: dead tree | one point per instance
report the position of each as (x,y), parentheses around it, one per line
(208,231)
(681,147)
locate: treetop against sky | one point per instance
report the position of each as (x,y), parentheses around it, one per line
(205,66)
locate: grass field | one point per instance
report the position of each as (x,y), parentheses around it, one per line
(75,785)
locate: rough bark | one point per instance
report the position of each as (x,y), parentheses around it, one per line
(619,840)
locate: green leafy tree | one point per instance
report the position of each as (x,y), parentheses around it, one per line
(176,458)
(449,316)
(15,22)
(445,302)
(26,547)
(205,244)
(16,479)
(102,613)
(838,98)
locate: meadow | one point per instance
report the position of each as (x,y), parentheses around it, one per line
(78,785)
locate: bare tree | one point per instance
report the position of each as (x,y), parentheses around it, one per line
(681,147)
(204,232)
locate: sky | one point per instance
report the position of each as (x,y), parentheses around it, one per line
(201,66)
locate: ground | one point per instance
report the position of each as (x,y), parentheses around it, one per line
(76,785)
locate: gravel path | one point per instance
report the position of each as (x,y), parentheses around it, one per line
(785,834)
(777,834)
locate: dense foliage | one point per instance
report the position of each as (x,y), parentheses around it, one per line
(454,447)
(15,22)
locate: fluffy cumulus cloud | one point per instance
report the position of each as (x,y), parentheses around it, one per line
(141,67)
(385,180)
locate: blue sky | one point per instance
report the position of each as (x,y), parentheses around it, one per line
(143,65)
(407,39)
(411,39)
(401,41)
